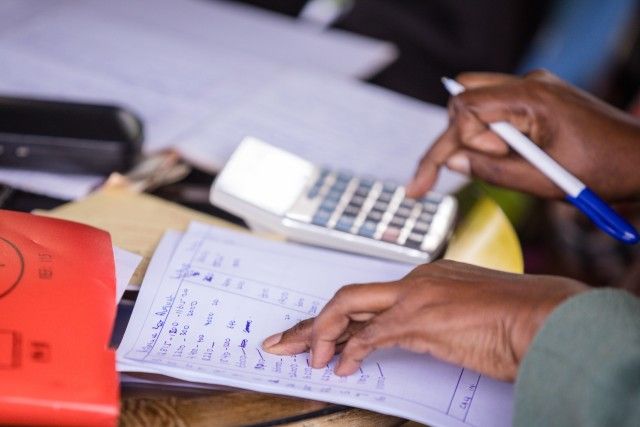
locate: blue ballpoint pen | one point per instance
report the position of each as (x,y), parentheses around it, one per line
(577,193)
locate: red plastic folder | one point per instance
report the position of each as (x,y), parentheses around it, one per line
(57,307)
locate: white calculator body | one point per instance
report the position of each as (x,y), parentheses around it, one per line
(275,190)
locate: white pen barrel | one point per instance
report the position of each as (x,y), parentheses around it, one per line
(537,157)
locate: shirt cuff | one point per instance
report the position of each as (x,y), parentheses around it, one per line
(583,366)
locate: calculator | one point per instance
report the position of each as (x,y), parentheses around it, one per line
(274,190)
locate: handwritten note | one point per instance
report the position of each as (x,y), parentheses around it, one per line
(207,303)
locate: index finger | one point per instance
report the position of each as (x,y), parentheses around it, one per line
(348,303)
(429,165)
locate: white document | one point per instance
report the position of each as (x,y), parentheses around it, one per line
(14,13)
(103,52)
(59,186)
(125,263)
(331,122)
(260,33)
(202,317)
(203,75)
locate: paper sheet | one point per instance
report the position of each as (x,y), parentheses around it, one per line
(202,75)
(262,34)
(202,315)
(126,263)
(173,63)
(58,186)
(336,123)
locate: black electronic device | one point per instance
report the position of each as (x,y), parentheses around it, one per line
(67,137)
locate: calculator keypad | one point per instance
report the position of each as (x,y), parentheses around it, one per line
(376,210)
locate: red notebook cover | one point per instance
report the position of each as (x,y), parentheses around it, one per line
(57,307)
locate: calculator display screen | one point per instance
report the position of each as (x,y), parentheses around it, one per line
(268,178)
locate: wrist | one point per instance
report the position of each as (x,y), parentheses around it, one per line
(533,319)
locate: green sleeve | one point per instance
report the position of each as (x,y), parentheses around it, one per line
(583,367)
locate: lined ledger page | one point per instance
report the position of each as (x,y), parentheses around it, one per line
(207,303)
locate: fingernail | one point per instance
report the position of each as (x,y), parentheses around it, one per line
(272,340)
(341,369)
(312,358)
(459,163)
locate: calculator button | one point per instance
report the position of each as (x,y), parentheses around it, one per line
(344,177)
(408,204)
(398,221)
(413,244)
(429,207)
(403,212)
(344,223)
(425,217)
(321,218)
(366,182)
(385,197)
(368,229)
(357,201)
(313,192)
(416,236)
(391,234)
(339,186)
(319,180)
(334,195)
(421,227)
(380,206)
(328,205)
(362,191)
(389,187)
(374,216)
(351,210)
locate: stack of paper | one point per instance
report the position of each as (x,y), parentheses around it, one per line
(204,74)
(210,296)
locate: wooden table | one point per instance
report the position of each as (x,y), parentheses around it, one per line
(235,408)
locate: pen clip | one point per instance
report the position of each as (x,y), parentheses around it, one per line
(604,217)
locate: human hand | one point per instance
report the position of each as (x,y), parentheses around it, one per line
(594,141)
(475,317)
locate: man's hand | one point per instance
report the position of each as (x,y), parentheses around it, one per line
(478,318)
(594,141)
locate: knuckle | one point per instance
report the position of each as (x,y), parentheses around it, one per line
(459,102)
(426,157)
(429,269)
(446,264)
(345,291)
(302,326)
(314,335)
(492,172)
(535,73)
(365,339)
(299,330)
(540,74)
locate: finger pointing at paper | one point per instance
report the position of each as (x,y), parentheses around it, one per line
(478,318)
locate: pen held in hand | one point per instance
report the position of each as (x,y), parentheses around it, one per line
(577,192)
